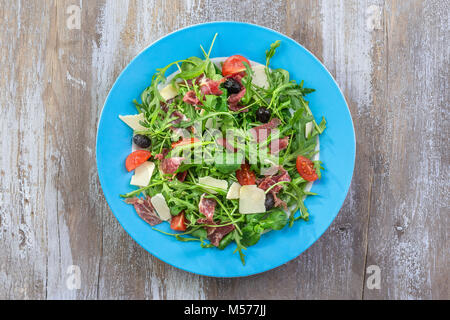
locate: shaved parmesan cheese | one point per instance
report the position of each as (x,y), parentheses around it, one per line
(233,192)
(308,129)
(168,92)
(251,200)
(216,183)
(260,77)
(161,207)
(133,121)
(272,170)
(143,174)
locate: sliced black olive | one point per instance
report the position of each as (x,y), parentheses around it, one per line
(232,86)
(263,115)
(142,141)
(270,201)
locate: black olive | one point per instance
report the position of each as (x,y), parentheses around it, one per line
(263,115)
(232,86)
(142,141)
(270,201)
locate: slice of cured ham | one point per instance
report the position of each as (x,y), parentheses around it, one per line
(145,210)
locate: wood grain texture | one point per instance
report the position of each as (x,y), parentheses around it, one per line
(391,60)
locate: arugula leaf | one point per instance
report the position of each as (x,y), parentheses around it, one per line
(210,71)
(249,236)
(271,52)
(276,220)
(240,247)
(226,241)
(192,68)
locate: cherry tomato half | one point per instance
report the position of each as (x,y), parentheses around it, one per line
(234,65)
(178,222)
(245,176)
(305,168)
(137,158)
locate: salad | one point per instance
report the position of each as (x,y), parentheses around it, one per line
(223,149)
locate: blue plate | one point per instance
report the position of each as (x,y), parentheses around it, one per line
(337,147)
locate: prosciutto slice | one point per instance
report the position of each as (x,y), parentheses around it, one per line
(165,105)
(278,201)
(171,165)
(191,98)
(279,144)
(181,176)
(237,107)
(162,155)
(260,133)
(207,207)
(197,81)
(216,234)
(268,182)
(145,210)
(180,117)
(211,87)
(233,100)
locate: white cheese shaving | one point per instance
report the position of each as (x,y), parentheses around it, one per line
(159,203)
(260,77)
(133,121)
(216,183)
(168,92)
(233,192)
(143,174)
(252,200)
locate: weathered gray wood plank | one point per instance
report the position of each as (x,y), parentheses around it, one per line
(23,226)
(409,203)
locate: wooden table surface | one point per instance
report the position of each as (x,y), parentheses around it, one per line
(391,59)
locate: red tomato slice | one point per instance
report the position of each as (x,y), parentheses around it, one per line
(137,158)
(184,142)
(245,176)
(305,168)
(234,65)
(178,222)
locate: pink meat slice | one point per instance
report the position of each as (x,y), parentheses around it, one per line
(207,207)
(233,100)
(145,210)
(267,182)
(181,176)
(216,234)
(191,98)
(260,133)
(171,165)
(211,87)
(180,117)
(163,154)
(279,144)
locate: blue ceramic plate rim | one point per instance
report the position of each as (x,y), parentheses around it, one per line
(255,265)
